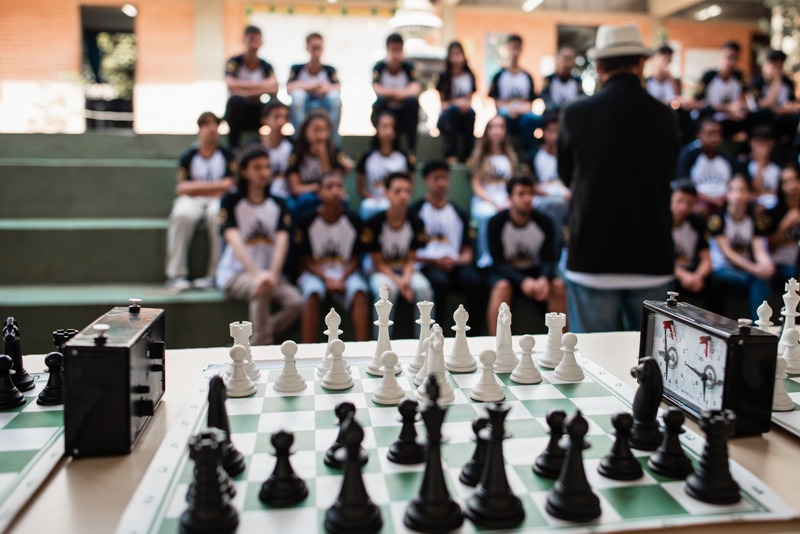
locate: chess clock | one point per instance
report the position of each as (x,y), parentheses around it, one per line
(710,362)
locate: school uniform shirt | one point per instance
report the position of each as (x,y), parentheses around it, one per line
(740,236)
(663,91)
(715,90)
(558,92)
(507,85)
(394,80)
(494,182)
(237,68)
(520,251)
(545,170)
(759,88)
(259,224)
(279,163)
(786,253)
(690,239)
(329,245)
(394,244)
(300,73)
(310,167)
(193,166)
(375,166)
(447,230)
(452,87)
(771,178)
(710,175)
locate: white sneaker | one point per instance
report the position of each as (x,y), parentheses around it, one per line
(180,284)
(205,282)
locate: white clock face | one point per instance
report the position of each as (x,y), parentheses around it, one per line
(692,362)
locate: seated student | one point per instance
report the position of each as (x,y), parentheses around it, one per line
(709,169)
(562,87)
(447,257)
(314,86)
(552,195)
(395,84)
(692,259)
(205,173)
(456,85)
(248,78)
(255,226)
(513,93)
(721,93)
(773,94)
(274,116)
(739,252)
(383,157)
(523,254)
(393,237)
(760,170)
(328,243)
(494,162)
(784,224)
(664,87)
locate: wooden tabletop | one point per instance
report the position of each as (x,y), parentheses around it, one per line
(90,495)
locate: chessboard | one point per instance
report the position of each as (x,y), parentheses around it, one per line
(651,502)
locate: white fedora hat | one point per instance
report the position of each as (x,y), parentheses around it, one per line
(616,41)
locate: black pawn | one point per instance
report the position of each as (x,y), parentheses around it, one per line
(670,460)
(334,456)
(712,481)
(473,469)
(572,498)
(645,434)
(494,505)
(433,510)
(283,487)
(620,463)
(353,510)
(210,509)
(53,392)
(406,449)
(548,464)
(10,396)
(13,344)
(232,459)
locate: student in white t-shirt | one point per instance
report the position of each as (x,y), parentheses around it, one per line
(758,167)
(274,117)
(456,86)
(721,94)
(784,224)
(552,196)
(710,169)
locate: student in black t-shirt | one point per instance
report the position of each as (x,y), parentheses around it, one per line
(773,93)
(692,259)
(329,247)
(707,166)
(248,78)
(395,84)
(784,224)
(274,116)
(721,93)
(523,254)
(447,256)
(562,87)
(456,85)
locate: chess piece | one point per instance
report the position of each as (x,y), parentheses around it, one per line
(764,313)
(10,396)
(791,352)
(645,434)
(337,378)
(494,505)
(506,359)
(670,460)
(61,336)
(424,323)
(526,372)
(405,449)
(333,457)
(552,356)
(789,312)
(473,470)
(289,381)
(353,510)
(241,331)
(433,509)
(549,463)
(712,481)
(422,374)
(388,391)
(232,459)
(781,401)
(435,365)
(487,389)
(332,322)
(572,498)
(460,359)
(620,463)
(283,487)
(13,348)
(568,368)
(53,392)
(384,307)
(239,384)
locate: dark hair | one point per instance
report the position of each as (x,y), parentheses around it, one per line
(740,176)
(313,35)
(392,176)
(549,118)
(248,154)
(433,166)
(394,38)
(762,130)
(775,55)
(732,45)
(250,30)
(684,185)
(791,164)
(611,64)
(514,38)
(707,119)
(665,50)
(302,146)
(447,75)
(376,143)
(271,106)
(515,181)
(331,174)
(205,117)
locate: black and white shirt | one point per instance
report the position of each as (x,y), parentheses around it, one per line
(662,91)
(558,92)
(545,169)
(330,245)
(494,181)
(770,177)
(759,88)
(452,87)
(740,236)
(193,166)
(716,91)
(237,68)
(787,252)
(520,251)
(507,85)
(375,166)
(310,167)
(393,80)
(394,244)
(710,175)
(690,239)
(300,73)
(447,230)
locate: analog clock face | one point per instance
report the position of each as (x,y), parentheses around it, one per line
(692,362)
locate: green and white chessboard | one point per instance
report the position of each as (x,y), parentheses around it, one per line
(31,445)
(790,420)
(651,502)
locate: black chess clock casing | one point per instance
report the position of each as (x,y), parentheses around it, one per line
(113,381)
(708,361)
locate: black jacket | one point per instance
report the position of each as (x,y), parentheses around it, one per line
(616,152)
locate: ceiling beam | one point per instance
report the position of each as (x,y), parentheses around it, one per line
(661,9)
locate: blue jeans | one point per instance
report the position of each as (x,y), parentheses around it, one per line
(303,103)
(524,125)
(730,279)
(608,310)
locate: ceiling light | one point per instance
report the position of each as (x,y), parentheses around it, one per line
(130,10)
(714,10)
(530,5)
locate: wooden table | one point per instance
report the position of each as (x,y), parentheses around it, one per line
(90,495)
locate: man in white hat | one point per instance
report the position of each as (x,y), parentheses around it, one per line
(617,152)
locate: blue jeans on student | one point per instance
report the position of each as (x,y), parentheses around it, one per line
(608,310)
(303,103)
(481,211)
(730,279)
(524,126)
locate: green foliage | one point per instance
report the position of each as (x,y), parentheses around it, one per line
(117,67)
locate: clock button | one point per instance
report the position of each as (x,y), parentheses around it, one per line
(744,326)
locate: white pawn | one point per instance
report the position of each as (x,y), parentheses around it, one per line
(388,391)
(526,372)
(337,377)
(487,389)
(238,383)
(419,378)
(506,359)
(289,381)
(781,401)
(240,332)
(764,313)
(791,352)
(552,355)
(460,359)
(424,322)
(568,369)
